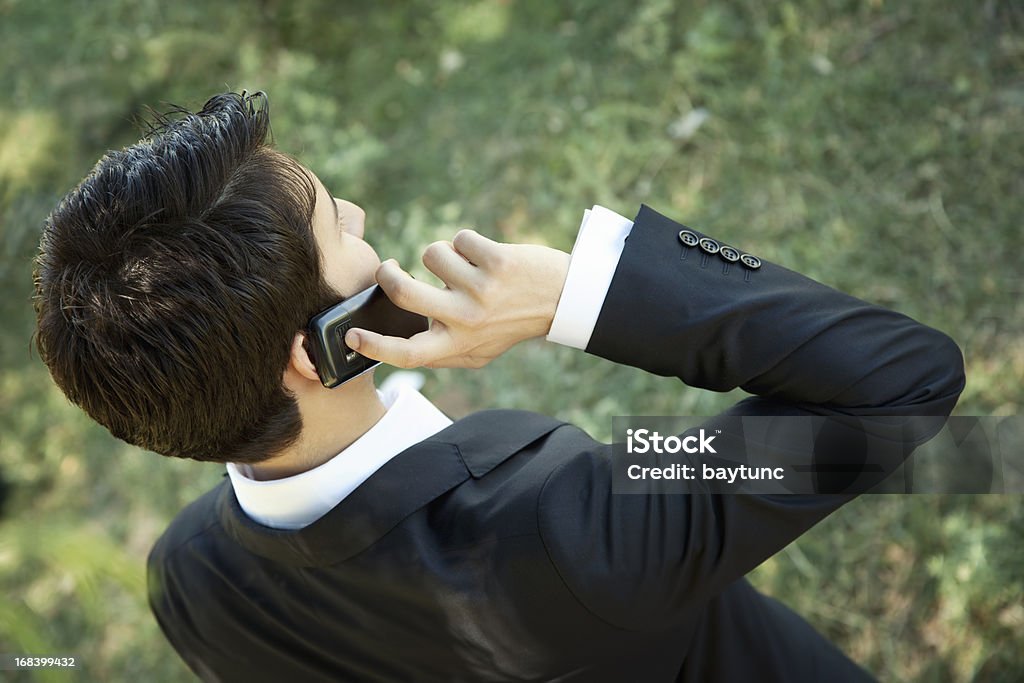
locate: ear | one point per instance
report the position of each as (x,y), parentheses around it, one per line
(299,361)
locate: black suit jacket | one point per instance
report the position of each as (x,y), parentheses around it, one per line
(496,551)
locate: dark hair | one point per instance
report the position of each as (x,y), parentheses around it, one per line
(169,285)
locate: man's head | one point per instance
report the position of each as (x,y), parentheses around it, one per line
(171,282)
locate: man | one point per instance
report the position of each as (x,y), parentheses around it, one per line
(365,537)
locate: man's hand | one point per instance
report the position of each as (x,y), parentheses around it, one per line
(496,296)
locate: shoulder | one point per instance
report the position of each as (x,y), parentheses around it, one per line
(490,438)
(493,443)
(574,501)
(509,456)
(611,550)
(195,520)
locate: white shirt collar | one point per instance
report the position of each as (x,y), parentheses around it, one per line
(298,501)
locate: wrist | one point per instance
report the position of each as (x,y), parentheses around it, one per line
(559,274)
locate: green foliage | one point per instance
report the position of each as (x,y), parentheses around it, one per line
(875,146)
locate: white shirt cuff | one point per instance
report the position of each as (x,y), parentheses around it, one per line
(595,256)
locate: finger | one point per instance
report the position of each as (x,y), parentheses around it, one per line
(420,349)
(442,260)
(411,294)
(477,249)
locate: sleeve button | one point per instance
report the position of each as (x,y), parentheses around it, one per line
(688,238)
(751,262)
(709,245)
(729,254)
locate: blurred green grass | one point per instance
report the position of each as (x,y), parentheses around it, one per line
(874,146)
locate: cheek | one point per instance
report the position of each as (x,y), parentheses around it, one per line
(360,262)
(332,264)
(371,255)
(361,251)
(335,275)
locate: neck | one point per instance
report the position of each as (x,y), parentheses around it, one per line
(332,419)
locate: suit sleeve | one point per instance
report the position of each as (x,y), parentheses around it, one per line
(171,613)
(167,598)
(800,347)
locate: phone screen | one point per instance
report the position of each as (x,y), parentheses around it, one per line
(370,309)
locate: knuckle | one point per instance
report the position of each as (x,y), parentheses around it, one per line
(462,241)
(371,348)
(501,261)
(397,290)
(474,317)
(433,252)
(488,290)
(401,354)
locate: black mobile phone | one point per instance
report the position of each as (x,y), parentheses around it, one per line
(370,309)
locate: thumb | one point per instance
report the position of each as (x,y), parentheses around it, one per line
(397,351)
